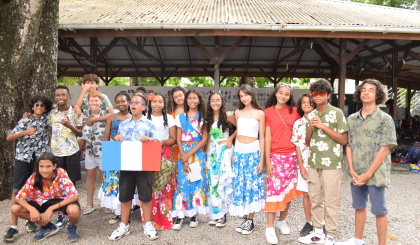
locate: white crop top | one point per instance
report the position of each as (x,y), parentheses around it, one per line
(248,127)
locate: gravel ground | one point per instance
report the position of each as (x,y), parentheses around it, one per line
(402,202)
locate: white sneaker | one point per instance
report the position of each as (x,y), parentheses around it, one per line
(329,240)
(177,225)
(213,222)
(351,241)
(194,221)
(312,238)
(150,231)
(283,227)
(122,230)
(270,234)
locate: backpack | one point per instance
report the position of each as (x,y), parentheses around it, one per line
(413,155)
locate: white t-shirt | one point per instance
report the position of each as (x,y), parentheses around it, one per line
(163,132)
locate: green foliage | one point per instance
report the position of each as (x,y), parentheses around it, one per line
(120,81)
(390,3)
(199,82)
(173,81)
(69,81)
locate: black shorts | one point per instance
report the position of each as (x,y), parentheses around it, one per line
(22,171)
(72,166)
(128,182)
(41,209)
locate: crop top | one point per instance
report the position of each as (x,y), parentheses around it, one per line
(248,127)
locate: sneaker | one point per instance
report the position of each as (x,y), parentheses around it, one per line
(213,222)
(221,222)
(312,238)
(329,240)
(351,241)
(72,233)
(114,219)
(122,230)
(135,208)
(306,229)
(150,231)
(284,229)
(45,232)
(30,226)
(270,234)
(60,221)
(241,225)
(248,227)
(11,234)
(177,224)
(194,221)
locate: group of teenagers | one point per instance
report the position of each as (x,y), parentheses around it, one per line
(212,161)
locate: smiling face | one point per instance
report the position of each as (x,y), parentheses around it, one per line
(94,103)
(321,100)
(157,104)
(306,105)
(245,98)
(193,101)
(215,102)
(92,85)
(122,103)
(61,96)
(136,106)
(368,93)
(283,95)
(38,108)
(178,97)
(46,169)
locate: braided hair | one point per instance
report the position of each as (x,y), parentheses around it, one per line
(150,110)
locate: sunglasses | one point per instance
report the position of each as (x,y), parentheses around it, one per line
(285,84)
(322,94)
(39,105)
(136,103)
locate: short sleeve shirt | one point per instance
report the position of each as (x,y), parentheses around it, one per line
(298,138)
(133,131)
(94,134)
(63,140)
(163,131)
(366,137)
(326,153)
(105,106)
(61,188)
(38,143)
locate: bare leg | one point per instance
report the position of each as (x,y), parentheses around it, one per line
(23,213)
(147,211)
(251,216)
(283,213)
(271,216)
(90,186)
(73,212)
(14,217)
(360,218)
(382,226)
(307,207)
(125,211)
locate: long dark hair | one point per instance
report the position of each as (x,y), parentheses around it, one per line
(222,115)
(299,103)
(149,111)
(201,105)
(247,89)
(171,105)
(38,183)
(272,100)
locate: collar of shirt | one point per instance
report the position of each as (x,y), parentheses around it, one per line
(371,115)
(326,110)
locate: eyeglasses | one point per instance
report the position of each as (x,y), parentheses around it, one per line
(193,98)
(215,101)
(322,94)
(136,103)
(39,105)
(285,84)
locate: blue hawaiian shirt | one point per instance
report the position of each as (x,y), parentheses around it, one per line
(133,131)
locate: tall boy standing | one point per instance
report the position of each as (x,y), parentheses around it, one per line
(371,134)
(326,135)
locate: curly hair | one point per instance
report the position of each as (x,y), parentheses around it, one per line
(150,110)
(322,85)
(223,121)
(44,99)
(91,77)
(272,100)
(299,103)
(39,180)
(247,89)
(201,105)
(95,94)
(380,93)
(171,105)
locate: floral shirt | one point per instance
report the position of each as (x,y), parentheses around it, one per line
(366,137)
(298,138)
(133,131)
(27,145)
(326,153)
(94,134)
(105,106)
(61,188)
(63,140)
(191,130)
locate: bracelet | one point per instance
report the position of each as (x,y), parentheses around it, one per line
(59,205)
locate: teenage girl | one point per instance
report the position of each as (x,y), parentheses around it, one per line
(164,180)
(219,159)
(248,185)
(109,191)
(280,156)
(191,189)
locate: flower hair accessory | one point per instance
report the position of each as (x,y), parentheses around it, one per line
(151,97)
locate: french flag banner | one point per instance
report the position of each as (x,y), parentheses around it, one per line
(131,156)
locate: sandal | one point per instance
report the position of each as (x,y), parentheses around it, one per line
(88,210)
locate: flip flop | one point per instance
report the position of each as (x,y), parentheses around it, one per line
(88,210)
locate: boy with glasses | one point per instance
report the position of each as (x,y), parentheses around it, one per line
(326,135)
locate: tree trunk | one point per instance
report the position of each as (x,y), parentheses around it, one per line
(28,65)
(134,81)
(247,80)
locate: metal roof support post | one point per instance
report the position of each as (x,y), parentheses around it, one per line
(408,101)
(394,83)
(342,79)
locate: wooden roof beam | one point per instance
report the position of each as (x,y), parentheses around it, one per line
(140,50)
(108,48)
(327,49)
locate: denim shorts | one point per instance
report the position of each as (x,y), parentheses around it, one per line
(376,195)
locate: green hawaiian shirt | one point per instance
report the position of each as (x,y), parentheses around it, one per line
(326,153)
(366,137)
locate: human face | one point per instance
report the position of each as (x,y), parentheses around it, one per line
(94,103)
(178,97)
(193,101)
(46,169)
(306,105)
(61,96)
(321,100)
(215,102)
(368,93)
(92,85)
(283,95)
(157,104)
(245,98)
(136,106)
(38,108)
(122,103)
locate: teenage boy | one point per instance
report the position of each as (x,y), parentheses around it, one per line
(326,135)
(32,141)
(138,128)
(371,134)
(94,135)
